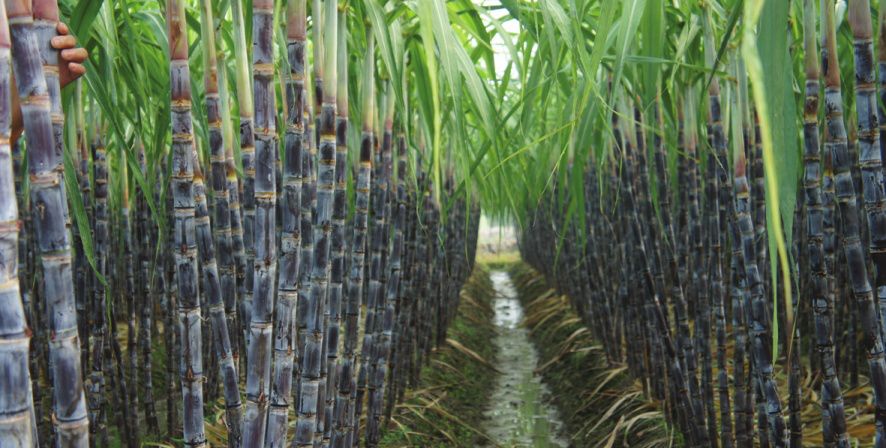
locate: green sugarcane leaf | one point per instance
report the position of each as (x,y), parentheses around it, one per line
(652,30)
(426,12)
(82,17)
(730,27)
(78,213)
(632,13)
(772,89)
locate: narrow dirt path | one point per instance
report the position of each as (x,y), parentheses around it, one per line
(519,413)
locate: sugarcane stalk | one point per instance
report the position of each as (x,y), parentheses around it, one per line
(400,315)
(345,435)
(833,417)
(387,322)
(129,291)
(81,266)
(845,191)
(171,329)
(339,383)
(311,400)
(265,195)
(339,215)
(220,335)
(46,169)
(182,185)
(287,293)
(693,430)
(375,373)
(18,426)
(247,155)
(98,429)
(220,136)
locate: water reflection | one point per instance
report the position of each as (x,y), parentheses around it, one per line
(519,414)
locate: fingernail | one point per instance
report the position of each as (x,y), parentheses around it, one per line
(55,40)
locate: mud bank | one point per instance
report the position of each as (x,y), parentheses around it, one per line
(599,403)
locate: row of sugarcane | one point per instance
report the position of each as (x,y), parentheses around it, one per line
(690,253)
(263,272)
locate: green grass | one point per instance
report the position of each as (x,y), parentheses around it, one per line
(500,260)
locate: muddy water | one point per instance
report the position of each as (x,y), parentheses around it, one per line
(519,414)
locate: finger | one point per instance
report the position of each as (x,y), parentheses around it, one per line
(64,42)
(74,55)
(77,70)
(62,28)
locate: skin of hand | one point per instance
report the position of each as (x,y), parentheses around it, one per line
(70,67)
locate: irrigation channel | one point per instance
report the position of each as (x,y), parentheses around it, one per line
(520,413)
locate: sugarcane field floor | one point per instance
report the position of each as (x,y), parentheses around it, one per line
(518,369)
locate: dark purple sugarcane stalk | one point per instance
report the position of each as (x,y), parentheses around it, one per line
(760,316)
(287,293)
(881,77)
(759,201)
(220,136)
(344,436)
(693,430)
(95,383)
(182,186)
(307,207)
(311,399)
(655,368)
(830,235)
(743,406)
(46,169)
(684,342)
(845,193)
(215,304)
(18,428)
(82,272)
(795,405)
(120,396)
(400,314)
(129,291)
(155,287)
(245,268)
(420,271)
(309,195)
(833,416)
(386,298)
(870,159)
(258,377)
(232,185)
(339,215)
(376,242)
(173,337)
(218,270)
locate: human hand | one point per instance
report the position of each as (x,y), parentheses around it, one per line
(71,57)
(70,67)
